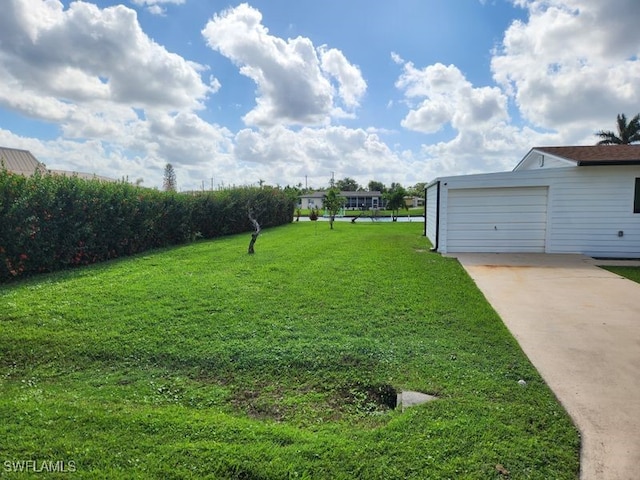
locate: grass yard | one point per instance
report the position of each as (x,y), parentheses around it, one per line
(632,273)
(204,362)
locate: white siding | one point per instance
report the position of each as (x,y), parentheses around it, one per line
(432,210)
(587,207)
(536,160)
(590,207)
(507,219)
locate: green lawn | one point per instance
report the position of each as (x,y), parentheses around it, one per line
(205,362)
(632,273)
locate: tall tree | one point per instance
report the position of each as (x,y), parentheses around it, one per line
(169,184)
(333,202)
(347,185)
(376,186)
(417,190)
(627,132)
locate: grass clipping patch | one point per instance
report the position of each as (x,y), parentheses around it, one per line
(205,362)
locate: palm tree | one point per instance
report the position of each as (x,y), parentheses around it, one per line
(627,132)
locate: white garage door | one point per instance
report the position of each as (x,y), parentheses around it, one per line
(497,219)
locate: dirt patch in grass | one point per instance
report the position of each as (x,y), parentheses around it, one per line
(260,405)
(279,404)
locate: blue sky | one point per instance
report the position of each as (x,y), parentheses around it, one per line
(291,91)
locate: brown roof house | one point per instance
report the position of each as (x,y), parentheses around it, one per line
(574,199)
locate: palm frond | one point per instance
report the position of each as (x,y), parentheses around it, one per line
(628,132)
(608,138)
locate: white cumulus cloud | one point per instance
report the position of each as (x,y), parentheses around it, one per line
(443,95)
(294,78)
(85,53)
(156,6)
(104,83)
(573,62)
(316,152)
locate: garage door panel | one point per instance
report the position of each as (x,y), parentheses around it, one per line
(510,228)
(506,209)
(470,201)
(496,219)
(509,219)
(499,242)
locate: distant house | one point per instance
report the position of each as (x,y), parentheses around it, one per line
(20,161)
(353,200)
(414,201)
(85,176)
(583,199)
(24,163)
(311,200)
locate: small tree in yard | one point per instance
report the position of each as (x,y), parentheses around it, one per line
(169,183)
(333,202)
(395,200)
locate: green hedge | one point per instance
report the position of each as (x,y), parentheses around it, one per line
(52,222)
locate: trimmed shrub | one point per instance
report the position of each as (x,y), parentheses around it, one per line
(50,222)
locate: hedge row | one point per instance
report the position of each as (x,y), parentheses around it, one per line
(51,222)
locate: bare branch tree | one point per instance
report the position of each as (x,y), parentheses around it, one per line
(256,232)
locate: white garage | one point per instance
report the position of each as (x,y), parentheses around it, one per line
(557,200)
(507,219)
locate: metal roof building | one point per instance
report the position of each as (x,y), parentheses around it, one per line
(20,161)
(24,163)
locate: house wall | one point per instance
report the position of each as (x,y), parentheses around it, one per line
(535,160)
(310,202)
(590,207)
(431,221)
(414,202)
(353,200)
(587,207)
(357,202)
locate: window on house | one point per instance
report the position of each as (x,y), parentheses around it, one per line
(636,197)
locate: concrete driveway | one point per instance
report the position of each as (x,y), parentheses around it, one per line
(580,326)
